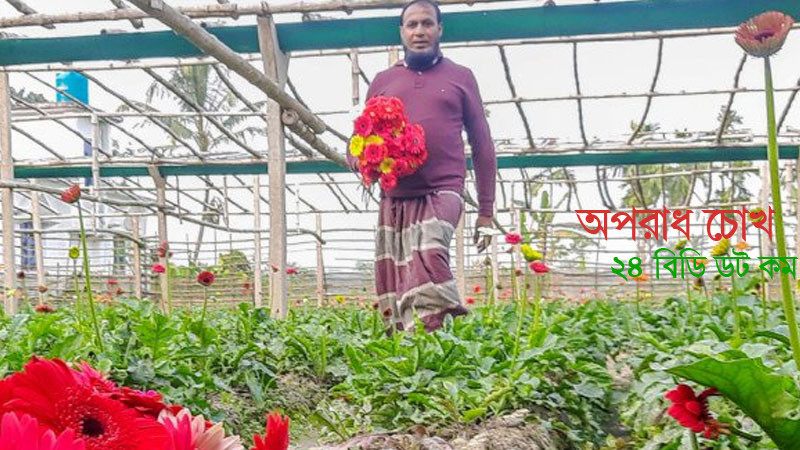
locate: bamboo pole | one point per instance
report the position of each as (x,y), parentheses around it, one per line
(275,67)
(95,189)
(7,174)
(36,218)
(137,259)
(232,10)
(161,200)
(257,275)
(461,279)
(320,267)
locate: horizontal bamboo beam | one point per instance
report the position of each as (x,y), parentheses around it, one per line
(519,23)
(248,167)
(232,10)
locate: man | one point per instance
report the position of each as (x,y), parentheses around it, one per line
(418,218)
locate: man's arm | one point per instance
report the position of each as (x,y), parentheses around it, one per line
(484,161)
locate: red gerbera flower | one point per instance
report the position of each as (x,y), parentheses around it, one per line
(513,238)
(539,267)
(388,181)
(206,278)
(146,403)
(95,378)
(44,309)
(158,268)
(691,411)
(112,282)
(291,271)
(42,289)
(22,432)
(71,194)
(363,125)
(51,392)
(163,249)
(470,300)
(276,436)
(477,289)
(375,153)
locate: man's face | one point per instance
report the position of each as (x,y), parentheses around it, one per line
(420,31)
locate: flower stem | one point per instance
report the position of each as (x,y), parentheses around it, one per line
(689,302)
(203,316)
(737,315)
(772,154)
(693,440)
(88,280)
(746,435)
(166,280)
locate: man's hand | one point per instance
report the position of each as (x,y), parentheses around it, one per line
(482,240)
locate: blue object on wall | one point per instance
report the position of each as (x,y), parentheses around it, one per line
(74,84)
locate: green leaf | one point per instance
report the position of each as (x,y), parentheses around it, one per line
(474,413)
(589,390)
(770,400)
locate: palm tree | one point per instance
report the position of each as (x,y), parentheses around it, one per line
(204,88)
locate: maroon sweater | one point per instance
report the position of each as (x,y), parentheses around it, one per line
(444,99)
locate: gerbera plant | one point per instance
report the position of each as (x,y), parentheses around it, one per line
(762,36)
(205,278)
(72,195)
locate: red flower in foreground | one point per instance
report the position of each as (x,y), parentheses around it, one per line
(158,268)
(146,403)
(88,375)
(539,267)
(71,194)
(50,392)
(206,278)
(470,300)
(44,309)
(22,432)
(276,436)
(764,34)
(691,411)
(513,238)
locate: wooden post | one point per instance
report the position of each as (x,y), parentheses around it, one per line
(320,265)
(275,67)
(37,243)
(355,73)
(461,279)
(161,200)
(394,56)
(257,276)
(7,174)
(137,259)
(95,189)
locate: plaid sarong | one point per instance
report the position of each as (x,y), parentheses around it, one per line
(412,259)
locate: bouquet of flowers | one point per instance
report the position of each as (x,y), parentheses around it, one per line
(52,406)
(386,145)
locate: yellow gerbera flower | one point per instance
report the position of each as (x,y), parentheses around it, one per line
(356,145)
(721,248)
(374,139)
(387,165)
